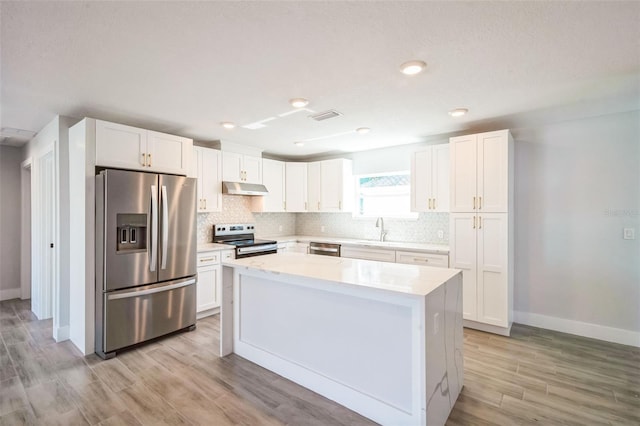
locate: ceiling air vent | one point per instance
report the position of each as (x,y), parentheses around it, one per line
(325,115)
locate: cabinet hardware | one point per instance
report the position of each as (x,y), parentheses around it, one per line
(479,222)
(479,203)
(200,204)
(474,203)
(149,158)
(205,203)
(339,205)
(434,203)
(318,205)
(144,158)
(284,205)
(474,222)
(208,259)
(417,259)
(429,203)
(305,205)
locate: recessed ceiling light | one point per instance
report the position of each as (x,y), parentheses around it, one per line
(298,102)
(458,112)
(413,67)
(363,130)
(298,143)
(228,125)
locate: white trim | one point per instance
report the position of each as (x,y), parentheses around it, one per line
(25,228)
(10,293)
(584,329)
(488,328)
(61,333)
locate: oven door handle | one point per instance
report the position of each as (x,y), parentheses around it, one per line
(256,249)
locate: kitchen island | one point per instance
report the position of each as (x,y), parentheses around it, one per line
(382,339)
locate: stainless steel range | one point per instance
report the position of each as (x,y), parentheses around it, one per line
(241,237)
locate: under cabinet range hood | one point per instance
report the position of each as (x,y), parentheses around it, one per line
(242,188)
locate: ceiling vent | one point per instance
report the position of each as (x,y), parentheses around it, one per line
(325,115)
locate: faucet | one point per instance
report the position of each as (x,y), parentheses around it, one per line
(380,224)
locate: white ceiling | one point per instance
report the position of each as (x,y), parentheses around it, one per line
(184,67)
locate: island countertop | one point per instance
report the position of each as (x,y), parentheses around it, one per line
(399,278)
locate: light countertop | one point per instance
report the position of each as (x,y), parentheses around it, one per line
(391,245)
(398,278)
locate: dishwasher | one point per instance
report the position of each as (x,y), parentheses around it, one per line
(324,249)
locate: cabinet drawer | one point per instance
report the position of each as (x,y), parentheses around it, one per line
(208,258)
(368,254)
(441,260)
(228,255)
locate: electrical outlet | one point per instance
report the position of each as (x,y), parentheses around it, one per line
(629,234)
(322,228)
(440,234)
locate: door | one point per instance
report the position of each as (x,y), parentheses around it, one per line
(231,166)
(463,162)
(177,227)
(210,180)
(331,185)
(45,256)
(252,167)
(493,172)
(313,186)
(440,177)
(296,187)
(421,181)
(126,236)
(273,179)
(121,146)
(207,289)
(168,153)
(492,269)
(462,242)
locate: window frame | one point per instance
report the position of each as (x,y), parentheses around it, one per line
(409,215)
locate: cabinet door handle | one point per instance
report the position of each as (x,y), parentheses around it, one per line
(479,203)
(434,203)
(207,259)
(284,205)
(479,222)
(474,222)
(429,202)
(339,205)
(149,162)
(144,160)
(305,205)
(417,259)
(205,203)
(318,205)
(474,203)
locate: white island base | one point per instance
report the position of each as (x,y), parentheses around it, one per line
(382,339)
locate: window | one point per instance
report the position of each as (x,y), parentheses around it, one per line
(384,194)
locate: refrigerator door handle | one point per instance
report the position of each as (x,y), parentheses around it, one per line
(165,227)
(129,294)
(154,228)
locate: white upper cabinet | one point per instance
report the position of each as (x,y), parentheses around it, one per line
(336,185)
(273,179)
(480,167)
(296,187)
(430,179)
(129,147)
(207,168)
(314,183)
(237,167)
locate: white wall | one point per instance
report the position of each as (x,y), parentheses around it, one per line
(10,159)
(577,187)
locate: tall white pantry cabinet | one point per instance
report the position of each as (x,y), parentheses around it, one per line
(482,227)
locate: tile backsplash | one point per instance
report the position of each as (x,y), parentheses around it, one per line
(423,230)
(237,209)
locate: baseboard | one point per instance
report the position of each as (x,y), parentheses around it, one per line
(61,334)
(10,293)
(207,313)
(584,329)
(503,331)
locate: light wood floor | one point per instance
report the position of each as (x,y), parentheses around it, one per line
(535,377)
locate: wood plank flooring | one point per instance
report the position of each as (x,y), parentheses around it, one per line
(534,377)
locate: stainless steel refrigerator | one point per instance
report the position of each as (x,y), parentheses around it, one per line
(145,257)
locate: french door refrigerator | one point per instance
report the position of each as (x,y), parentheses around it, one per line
(145,257)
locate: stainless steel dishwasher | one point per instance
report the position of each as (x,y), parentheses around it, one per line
(324,249)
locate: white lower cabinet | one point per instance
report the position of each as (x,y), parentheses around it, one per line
(368,254)
(209,282)
(425,259)
(480,248)
(293,247)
